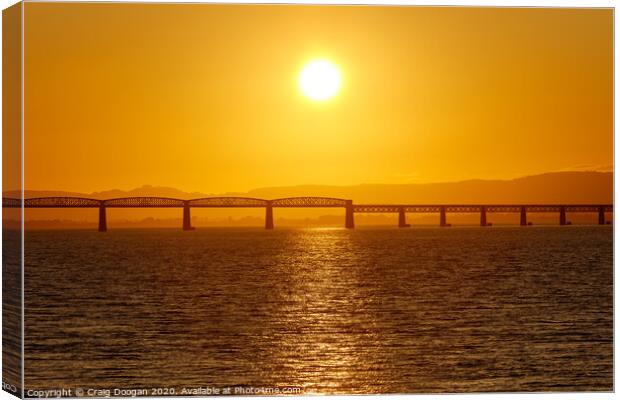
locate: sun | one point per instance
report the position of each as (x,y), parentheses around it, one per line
(320,80)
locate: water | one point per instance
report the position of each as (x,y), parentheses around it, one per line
(327,310)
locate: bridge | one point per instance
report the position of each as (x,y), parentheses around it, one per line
(312,202)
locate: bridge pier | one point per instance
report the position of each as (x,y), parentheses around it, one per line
(601,215)
(187,222)
(442,217)
(483,216)
(562,215)
(523,216)
(269,216)
(103,223)
(402,218)
(349,221)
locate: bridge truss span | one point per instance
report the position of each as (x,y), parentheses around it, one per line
(228,202)
(154,202)
(589,208)
(61,202)
(309,202)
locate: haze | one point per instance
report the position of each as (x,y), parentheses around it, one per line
(205,97)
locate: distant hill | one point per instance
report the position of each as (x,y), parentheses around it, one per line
(558,187)
(555,187)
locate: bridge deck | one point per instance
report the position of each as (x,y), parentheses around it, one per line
(476,208)
(225,202)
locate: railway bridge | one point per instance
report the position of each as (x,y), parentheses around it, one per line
(309,201)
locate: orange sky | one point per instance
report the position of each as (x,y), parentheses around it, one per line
(205,97)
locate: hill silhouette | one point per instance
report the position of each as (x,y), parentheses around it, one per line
(555,187)
(558,187)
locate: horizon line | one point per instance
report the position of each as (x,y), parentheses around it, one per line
(229,192)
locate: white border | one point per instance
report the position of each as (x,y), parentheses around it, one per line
(480,3)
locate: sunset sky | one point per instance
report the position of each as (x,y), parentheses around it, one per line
(206,97)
